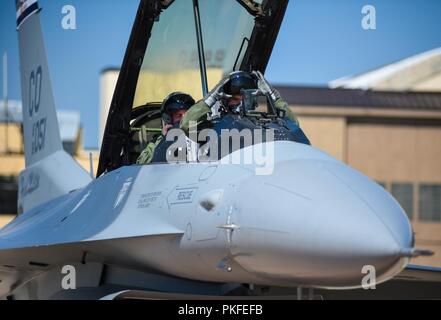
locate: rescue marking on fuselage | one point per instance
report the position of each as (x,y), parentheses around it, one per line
(182,195)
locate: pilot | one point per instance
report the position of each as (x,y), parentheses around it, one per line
(173,109)
(231,87)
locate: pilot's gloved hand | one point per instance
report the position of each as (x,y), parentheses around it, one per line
(265,87)
(165,129)
(216,94)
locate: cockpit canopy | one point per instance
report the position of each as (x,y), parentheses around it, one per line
(187,46)
(171,61)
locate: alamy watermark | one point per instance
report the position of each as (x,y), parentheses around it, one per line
(69,280)
(369,20)
(370,279)
(232,146)
(69,20)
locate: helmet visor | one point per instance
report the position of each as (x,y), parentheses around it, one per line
(178,102)
(239,82)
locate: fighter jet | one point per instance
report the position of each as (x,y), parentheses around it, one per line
(198,228)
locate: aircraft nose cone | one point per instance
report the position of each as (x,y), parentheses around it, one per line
(380,203)
(319,223)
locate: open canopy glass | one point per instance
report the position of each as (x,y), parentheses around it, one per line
(187,46)
(171,61)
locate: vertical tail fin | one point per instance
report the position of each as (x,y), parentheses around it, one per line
(40,125)
(50,172)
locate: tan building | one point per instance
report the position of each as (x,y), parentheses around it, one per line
(108,80)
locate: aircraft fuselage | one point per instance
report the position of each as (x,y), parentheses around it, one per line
(313,222)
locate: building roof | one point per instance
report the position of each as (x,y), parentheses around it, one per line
(323,96)
(12,113)
(69,121)
(406,74)
(110,69)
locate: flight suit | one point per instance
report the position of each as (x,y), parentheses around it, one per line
(200,111)
(146,155)
(282,105)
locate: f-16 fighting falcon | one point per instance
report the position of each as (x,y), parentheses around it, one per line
(190,227)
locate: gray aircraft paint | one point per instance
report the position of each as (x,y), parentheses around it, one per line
(289,230)
(313,222)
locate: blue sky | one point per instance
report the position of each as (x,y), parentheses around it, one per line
(320,40)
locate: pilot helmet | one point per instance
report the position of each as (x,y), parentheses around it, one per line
(239,80)
(174,102)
